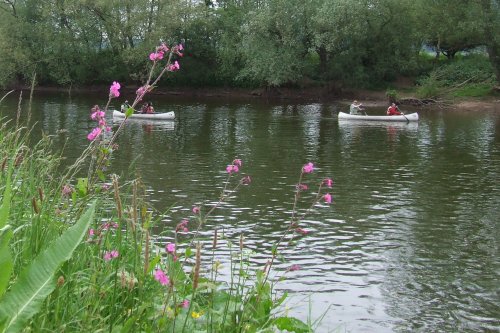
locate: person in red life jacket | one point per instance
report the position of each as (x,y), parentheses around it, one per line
(393,110)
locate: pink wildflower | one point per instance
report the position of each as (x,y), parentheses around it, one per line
(91,232)
(94,134)
(328,198)
(237,162)
(114,89)
(161,277)
(328,182)
(110,255)
(232,168)
(170,247)
(97,115)
(177,50)
(185,304)
(301,231)
(196,210)
(163,48)
(182,226)
(293,268)
(156,56)
(174,67)
(246,180)
(308,168)
(302,187)
(66,190)
(141,92)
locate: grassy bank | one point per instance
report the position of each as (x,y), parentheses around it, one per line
(80,254)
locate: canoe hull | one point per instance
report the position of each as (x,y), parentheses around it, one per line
(152,116)
(408,117)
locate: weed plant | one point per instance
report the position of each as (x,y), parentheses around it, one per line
(80,255)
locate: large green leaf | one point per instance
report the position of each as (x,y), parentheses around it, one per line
(36,281)
(291,324)
(5,259)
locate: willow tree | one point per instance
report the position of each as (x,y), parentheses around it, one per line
(275,43)
(491,27)
(362,41)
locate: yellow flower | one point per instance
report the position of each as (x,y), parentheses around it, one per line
(196,315)
(170,313)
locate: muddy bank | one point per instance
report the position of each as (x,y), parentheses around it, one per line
(369,98)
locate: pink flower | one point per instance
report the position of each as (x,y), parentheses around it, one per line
(66,190)
(185,304)
(302,187)
(94,134)
(163,48)
(156,56)
(196,210)
(174,67)
(114,89)
(91,232)
(246,180)
(237,162)
(328,182)
(141,91)
(177,50)
(97,115)
(232,168)
(170,247)
(161,277)
(110,255)
(181,226)
(308,168)
(301,231)
(293,268)
(328,198)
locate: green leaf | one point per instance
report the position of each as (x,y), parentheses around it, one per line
(129,112)
(5,235)
(153,263)
(36,281)
(101,175)
(5,259)
(291,324)
(82,186)
(5,207)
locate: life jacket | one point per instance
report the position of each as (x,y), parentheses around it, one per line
(392,110)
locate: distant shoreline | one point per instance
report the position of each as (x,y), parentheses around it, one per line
(369,98)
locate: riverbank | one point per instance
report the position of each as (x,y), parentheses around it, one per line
(369,98)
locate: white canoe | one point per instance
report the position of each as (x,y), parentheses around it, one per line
(406,117)
(149,116)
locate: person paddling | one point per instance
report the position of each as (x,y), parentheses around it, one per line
(124,107)
(355,108)
(393,110)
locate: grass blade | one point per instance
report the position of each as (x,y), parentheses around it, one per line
(36,281)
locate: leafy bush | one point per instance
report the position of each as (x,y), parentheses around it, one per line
(470,75)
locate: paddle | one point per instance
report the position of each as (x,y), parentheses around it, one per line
(407,120)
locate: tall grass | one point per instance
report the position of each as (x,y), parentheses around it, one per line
(120,278)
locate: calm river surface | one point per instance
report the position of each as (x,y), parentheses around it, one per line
(411,242)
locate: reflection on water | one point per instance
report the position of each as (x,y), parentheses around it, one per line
(411,242)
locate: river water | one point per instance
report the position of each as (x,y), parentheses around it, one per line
(410,242)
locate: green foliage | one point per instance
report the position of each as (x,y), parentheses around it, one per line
(465,76)
(5,235)
(392,95)
(474,90)
(36,281)
(239,43)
